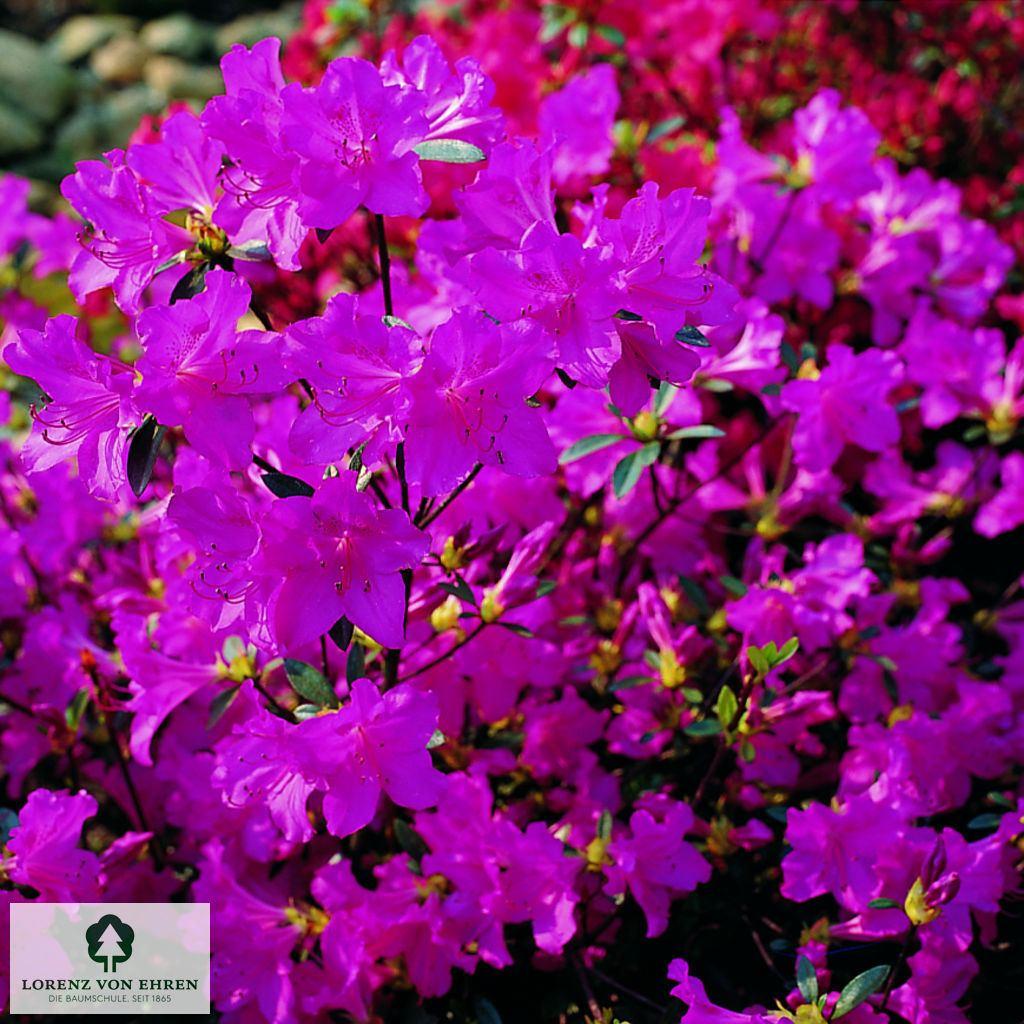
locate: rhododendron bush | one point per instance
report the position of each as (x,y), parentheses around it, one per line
(518,506)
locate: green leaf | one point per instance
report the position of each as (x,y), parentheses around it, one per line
(748,752)
(726,707)
(604,825)
(789,648)
(718,387)
(695,594)
(733,585)
(593,443)
(309,683)
(1000,800)
(975,431)
(515,627)
(665,127)
(579,34)
(666,393)
(705,727)
(341,633)
(449,151)
(883,903)
(250,252)
(8,821)
(437,739)
(628,683)
(545,587)
(304,711)
(565,378)
(627,470)
(284,486)
(355,463)
(691,336)
(74,711)
(142,452)
(807,979)
(485,1012)
(701,430)
(409,840)
(985,821)
(625,314)
(355,663)
(220,704)
(653,660)
(789,357)
(757,659)
(771,389)
(191,284)
(460,589)
(612,34)
(396,321)
(178,257)
(859,989)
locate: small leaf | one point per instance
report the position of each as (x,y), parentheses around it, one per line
(701,430)
(565,378)
(695,594)
(691,336)
(789,648)
(304,711)
(758,660)
(604,825)
(733,585)
(612,34)
(579,34)
(178,257)
(1000,800)
(437,739)
(515,627)
(718,387)
(653,660)
(545,587)
(449,151)
(628,470)
(985,821)
(397,321)
(191,284)
(705,727)
(748,752)
(8,821)
(859,989)
(363,479)
(250,252)
(807,979)
(309,683)
(625,314)
(142,452)
(726,707)
(220,704)
(628,683)
(771,389)
(486,1013)
(666,393)
(789,357)
(460,589)
(285,486)
(355,462)
(665,127)
(74,711)
(341,633)
(355,664)
(593,443)
(883,903)
(410,840)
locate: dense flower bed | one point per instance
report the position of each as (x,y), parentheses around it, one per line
(537,539)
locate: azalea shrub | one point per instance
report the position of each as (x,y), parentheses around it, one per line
(536,539)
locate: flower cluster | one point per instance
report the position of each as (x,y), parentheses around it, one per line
(460,529)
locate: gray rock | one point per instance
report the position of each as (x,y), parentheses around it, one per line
(32,82)
(79,36)
(18,133)
(176,80)
(120,60)
(96,127)
(251,28)
(178,35)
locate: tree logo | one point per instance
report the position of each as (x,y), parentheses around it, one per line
(110,942)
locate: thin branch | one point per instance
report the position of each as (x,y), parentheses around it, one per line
(447,654)
(422,524)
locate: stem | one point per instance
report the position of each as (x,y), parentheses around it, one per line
(723,744)
(264,465)
(385,264)
(379,492)
(400,469)
(262,690)
(627,991)
(758,264)
(391,659)
(447,654)
(592,1004)
(451,497)
(323,653)
(890,981)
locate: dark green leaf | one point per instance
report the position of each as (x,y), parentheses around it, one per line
(612,34)
(220,704)
(8,820)
(726,707)
(191,284)
(449,151)
(74,711)
(663,399)
(859,989)
(593,443)
(771,389)
(285,486)
(1000,800)
(460,589)
(515,627)
(437,739)
(142,452)
(705,727)
(604,825)
(883,903)
(545,587)
(695,594)
(628,683)
(178,257)
(807,979)
(341,633)
(355,463)
(733,585)
(565,378)
(627,470)
(758,660)
(653,660)
(486,1013)
(975,431)
(397,321)
(691,336)
(985,821)
(410,840)
(789,357)
(250,252)
(355,664)
(625,314)
(309,683)
(789,648)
